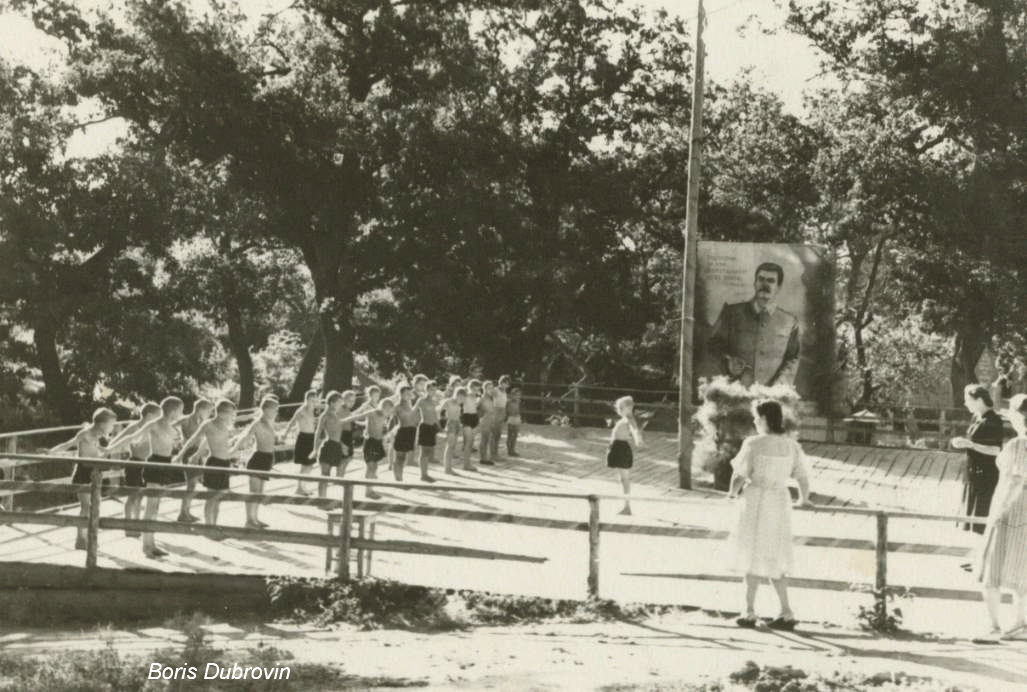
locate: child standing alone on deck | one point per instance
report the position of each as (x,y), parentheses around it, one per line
(620,455)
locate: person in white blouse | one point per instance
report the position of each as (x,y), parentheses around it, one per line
(762,540)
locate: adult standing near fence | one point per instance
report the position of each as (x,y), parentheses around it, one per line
(762,541)
(982,443)
(1004,559)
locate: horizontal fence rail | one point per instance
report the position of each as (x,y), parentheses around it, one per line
(344,542)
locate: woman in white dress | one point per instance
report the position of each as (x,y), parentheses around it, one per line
(762,546)
(1004,559)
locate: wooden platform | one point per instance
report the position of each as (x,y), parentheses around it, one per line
(647,556)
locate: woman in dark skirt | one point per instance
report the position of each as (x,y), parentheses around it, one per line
(982,443)
(620,455)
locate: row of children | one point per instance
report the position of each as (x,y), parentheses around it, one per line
(208,436)
(418,414)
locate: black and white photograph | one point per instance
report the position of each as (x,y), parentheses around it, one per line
(525,346)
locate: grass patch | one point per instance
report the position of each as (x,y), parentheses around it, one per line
(789,679)
(109,671)
(384,604)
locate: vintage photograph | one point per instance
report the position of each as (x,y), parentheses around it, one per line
(562,345)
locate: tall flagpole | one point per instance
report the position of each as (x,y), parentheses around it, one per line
(688,264)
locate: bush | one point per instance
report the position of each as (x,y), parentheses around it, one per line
(375,604)
(725,420)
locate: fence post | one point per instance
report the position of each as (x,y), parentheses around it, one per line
(593,546)
(576,398)
(881,580)
(829,435)
(942,429)
(11,447)
(345,529)
(93,527)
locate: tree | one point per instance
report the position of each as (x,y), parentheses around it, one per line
(957,74)
(60,231)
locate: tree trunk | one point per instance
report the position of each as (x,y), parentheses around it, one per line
(337,336)
(58,393)
(308,368)
(968,349)
(237,340)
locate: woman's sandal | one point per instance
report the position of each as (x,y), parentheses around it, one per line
(1019,633)
(782,624)
(993,636)
(748,622)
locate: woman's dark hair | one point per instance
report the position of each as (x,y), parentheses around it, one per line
(980,392)
(771,411)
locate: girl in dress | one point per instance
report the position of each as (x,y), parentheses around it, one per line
(762,546)
(620,456)
(1004,559)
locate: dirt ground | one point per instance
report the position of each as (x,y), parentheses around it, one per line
(543,657)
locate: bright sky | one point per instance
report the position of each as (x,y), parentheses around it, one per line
(736,38)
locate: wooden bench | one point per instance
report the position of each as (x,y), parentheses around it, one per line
(364,522)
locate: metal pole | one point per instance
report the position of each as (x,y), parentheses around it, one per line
(688,262)
(593,546)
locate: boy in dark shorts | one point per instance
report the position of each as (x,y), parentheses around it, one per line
(374,447)
(87,445)
(305,419)
(262,432)
(330,453)
(451,409)
(138,451)
(470,419)
(215,436)
(406,434)
(200,414)
(427,430)
(163,436)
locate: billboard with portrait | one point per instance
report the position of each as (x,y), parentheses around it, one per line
(765,313)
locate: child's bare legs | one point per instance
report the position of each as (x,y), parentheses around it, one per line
(625,484)
(322,487)
(80,535)
(497,432)
(452,440)
(781,587)
(185,514)
(149,540)
(468,446)
(485,444)
(426,457)
(302,487)
(210,512)
(993,601)
(397,466)
(511,439)
(256,487)
(371,473)
(133,505)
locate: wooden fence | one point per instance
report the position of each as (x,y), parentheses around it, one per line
(579,405)
(346,543)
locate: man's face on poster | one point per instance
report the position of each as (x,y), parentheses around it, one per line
(767,287)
